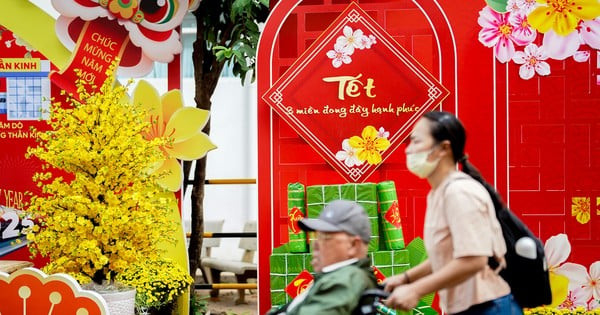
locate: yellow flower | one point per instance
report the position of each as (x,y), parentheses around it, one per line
(181,126)
(369,147)
(562,16)
(157,281)
(580,209)
(110,212)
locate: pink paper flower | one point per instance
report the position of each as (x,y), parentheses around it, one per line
(499,33)
(522,30)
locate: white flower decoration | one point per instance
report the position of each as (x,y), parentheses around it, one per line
(531,61)
(351,39)
(339,55)
(348,155)
(382,133)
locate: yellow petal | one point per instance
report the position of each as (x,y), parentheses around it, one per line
(583,217)
(540,19)
(369,133)
(566,24)
(171,102)
(173,175)
(362,155)
(185,123)
(374,158)
(590,9)
(559,285)
(381,144)
(193,148)
(146,95)
(356,142)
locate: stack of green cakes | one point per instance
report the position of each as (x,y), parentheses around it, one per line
(291,271)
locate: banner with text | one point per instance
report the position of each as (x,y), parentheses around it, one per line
(354,94)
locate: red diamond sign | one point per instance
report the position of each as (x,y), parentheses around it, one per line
(354,94)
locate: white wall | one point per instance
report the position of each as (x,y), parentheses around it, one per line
(233,130)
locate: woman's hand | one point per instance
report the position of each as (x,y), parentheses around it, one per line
(403,297)
(392,282)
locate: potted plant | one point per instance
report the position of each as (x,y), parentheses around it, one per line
(100,208)
(158,284)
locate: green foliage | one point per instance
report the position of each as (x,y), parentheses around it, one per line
(198,304)
(231,31)
(497,5)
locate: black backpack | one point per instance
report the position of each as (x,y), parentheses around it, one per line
(528,278)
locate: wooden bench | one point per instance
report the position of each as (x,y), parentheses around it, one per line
(208,243)
(244,269)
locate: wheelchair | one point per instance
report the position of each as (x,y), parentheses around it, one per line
(370,303)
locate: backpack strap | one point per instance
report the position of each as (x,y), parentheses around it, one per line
(492,261)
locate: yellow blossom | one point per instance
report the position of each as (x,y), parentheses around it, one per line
(180,125)
(562,16)
(580,209)
(99,209)
(369,147)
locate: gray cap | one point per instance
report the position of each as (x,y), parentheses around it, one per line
(341,216)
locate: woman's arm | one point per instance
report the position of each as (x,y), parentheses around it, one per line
(411,275)
(407,296)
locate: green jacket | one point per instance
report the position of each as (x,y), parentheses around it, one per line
(337,292)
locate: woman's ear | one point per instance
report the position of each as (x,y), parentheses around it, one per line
(446,147)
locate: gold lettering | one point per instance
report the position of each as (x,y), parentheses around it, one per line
(351,86)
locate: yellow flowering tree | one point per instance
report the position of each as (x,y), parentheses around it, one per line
(100,208)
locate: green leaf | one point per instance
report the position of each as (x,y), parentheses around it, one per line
(239,7)
(498,5)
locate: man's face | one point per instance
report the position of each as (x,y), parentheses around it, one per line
(332,247)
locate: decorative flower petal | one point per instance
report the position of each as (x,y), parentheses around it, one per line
(526,71)
(504,50)
(560,47)
(172,175)
(577,274)
(557,250)
(590,32)
(369,133)
(563,16)
(356,142)
(519,58)
(559,286)
(146,95)
(381,144)
(541,20)
(192,148)
(595,279)
(171,102)
(581,56)
(185,123)
(542,68)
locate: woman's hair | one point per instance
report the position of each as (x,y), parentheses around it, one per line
(445,126)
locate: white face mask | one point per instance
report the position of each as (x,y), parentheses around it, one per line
(417,163)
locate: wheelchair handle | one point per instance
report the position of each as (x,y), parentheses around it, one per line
(376,293)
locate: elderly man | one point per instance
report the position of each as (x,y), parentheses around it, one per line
(343,271)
